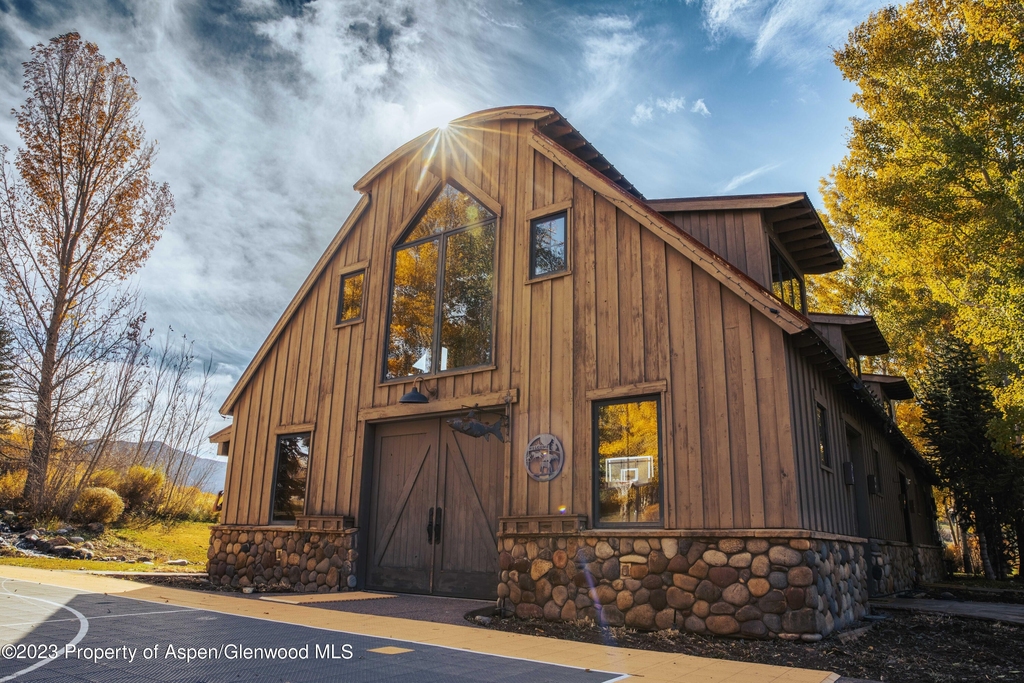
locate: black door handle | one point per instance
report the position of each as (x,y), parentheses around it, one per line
(437,526)
(430,526)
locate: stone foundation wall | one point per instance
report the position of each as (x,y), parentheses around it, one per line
(930,563)
(892,568)
(895,568)
(755,587)
(275,558)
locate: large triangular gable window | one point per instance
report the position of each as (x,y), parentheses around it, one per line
(442,293)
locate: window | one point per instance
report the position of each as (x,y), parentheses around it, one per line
(442,295)
(786,283)
(547,245)
(824,453)
(878,471)
(350,298)
(627,437)
(853,361)
(290,476)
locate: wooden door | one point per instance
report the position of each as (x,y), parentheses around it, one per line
(466,559)
(403,491)
(435,500)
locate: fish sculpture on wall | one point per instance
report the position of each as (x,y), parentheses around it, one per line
(475,427)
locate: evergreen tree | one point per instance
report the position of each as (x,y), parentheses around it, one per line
(958,414)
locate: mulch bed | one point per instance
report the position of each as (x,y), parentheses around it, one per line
(908,647)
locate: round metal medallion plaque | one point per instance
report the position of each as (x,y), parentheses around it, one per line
(544,457)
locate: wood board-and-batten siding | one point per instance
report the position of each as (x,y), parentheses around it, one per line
(826,502)
(633,315)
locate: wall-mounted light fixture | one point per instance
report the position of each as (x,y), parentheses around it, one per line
(415,396)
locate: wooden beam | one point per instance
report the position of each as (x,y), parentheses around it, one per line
(557,129)
(223,435)
(779,215)
(573,142)
(755,201)
(627,390)
(823,261)
(763,301)
(783,227)
(814,252)
(799,234)
(438,406)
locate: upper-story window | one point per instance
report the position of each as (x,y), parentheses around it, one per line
(853,361)
(350,298)
(547,245)
(786,282)
(442,289)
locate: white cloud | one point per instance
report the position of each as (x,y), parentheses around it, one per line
(795,32)
(700,108)
(744,178)
(609,47)
(641,114)
(645,111)
(671,104)
(264,118)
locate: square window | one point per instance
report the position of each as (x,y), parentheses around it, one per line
(290,467)
(547,245)
(627,437)
(824,453)
(350,298)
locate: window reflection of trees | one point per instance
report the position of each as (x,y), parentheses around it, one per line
(351,297)
(627,433)
(290,482)
(548,237)
(466,309)
(464,232)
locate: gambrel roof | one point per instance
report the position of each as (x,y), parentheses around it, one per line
(556,139)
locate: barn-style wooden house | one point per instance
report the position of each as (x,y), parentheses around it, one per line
(511,376)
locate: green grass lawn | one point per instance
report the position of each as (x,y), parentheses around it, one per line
(184,540)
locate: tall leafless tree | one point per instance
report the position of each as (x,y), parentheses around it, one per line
(78,217)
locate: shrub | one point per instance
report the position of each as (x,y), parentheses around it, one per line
(99,504)
(107,479)
(189,503)
(12,484)
(139,486)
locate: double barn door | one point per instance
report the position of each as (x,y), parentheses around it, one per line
(435,500)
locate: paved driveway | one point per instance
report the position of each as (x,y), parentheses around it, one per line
(50,633)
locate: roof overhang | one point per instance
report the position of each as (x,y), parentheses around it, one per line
(860,330)
(894,387)
(548,121)
(794,222)
(223,435)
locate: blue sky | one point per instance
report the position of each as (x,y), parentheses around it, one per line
(267,111)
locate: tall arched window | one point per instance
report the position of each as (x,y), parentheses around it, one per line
(442,289)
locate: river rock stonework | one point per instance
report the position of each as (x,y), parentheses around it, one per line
(280,559)
(794,588)
(895,567)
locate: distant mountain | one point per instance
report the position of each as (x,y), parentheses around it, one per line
(204,472)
